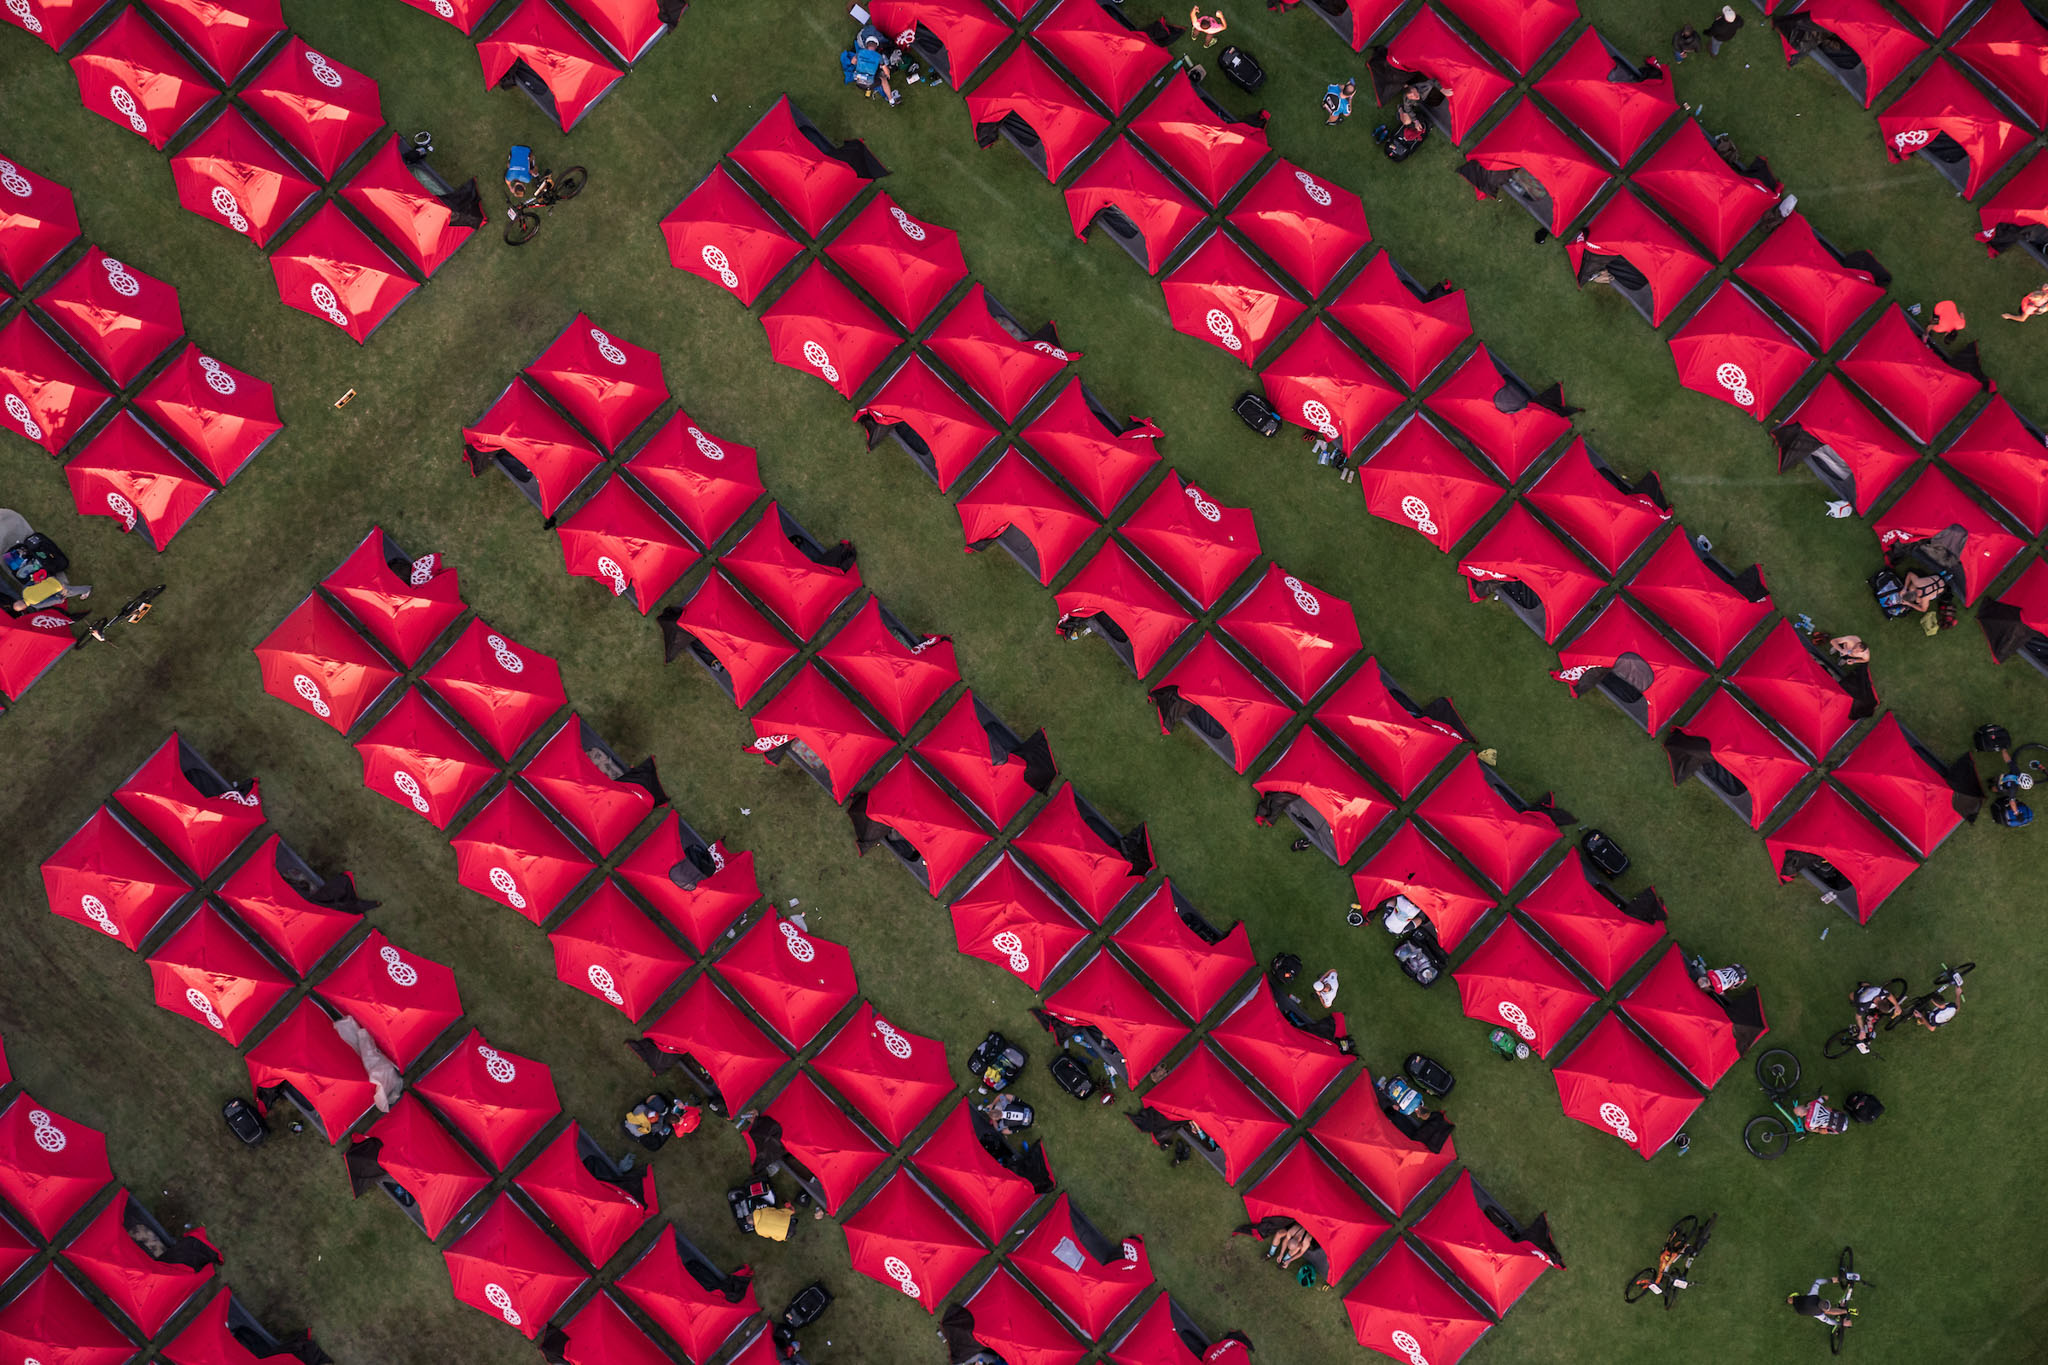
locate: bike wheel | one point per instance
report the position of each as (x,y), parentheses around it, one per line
(522,228)
(1777,1071)
(1847,1265)
(570,183)
(1682,1231)
(1766,1137)
(1839,1044)
(1896,988)
(1641,1283)
(1835,1335)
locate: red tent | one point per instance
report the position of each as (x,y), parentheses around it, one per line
(950,432)
(1024,88)
(56,22)
(1419,478)
(900,681)
(1321,384)
(1794,269)
(516,856)
(908,801)
(1091,1290)
(1220,295)
(1205,145)
(720,233)
(50,1320)
(1526,139)
(420,224)
(1583,919)
(659,868)
(126,473)
(1302,1186)
(992,1196)
(2021,201)
(503,689)
(1406,1311)
(706,484)
(1945,103)
(1010,1320)
(1750,753)
(1112,60)
(1461,1234)
(1931,506)
(616,538)
(576,74)
(1237,713)
(747,647)
(1357,21)
(1311,229)
(1607,517)
(1709,611)
(1520,550)
(1617,116)
(1872,451)
(318,664)
(1785,681)
(1710,199)
(838,735)
(1405,331)
(1922,389)
(1014,501)
(907,265)
(1731,350)
(601,1332)
(430,1165)
(325,110)
(818,325)
(1201,546)
(1628,228)
(902,1237)
(1620,644)
(705,1025)
(1411,864)
(1203,1091)
(1401,743)
(38,220)
(1112,585)
(1193,972)
(208,1340)
(893,1078)
(500,1101)
(149,1291)
(505,1267)
(607,384)
(1098,455)
(963,27)
(1302,636)
(1873,33)
(1827,827)
(330,269)
(984,345)
(46,395)
(1615,1082)
(299,930)
(663,1287)
(523,427)
(597,1216)
(1687,1022)
(1364,1141)
(209,973)
(2005,456)
(104,877)
(2008,47)
(232,173)
(969,748)
(401,999)
(824,1139)
(1521,31)
(326,1074)
(1104,995)
(30,646)
(227,34)
(415,757)
(1510,978)
(796,981)
(1310,771)
(132,76)
(806,175)
(628,28)
(220,416)
(1007,917)
(1498,833)
(1472,84)
(1295,1065)
(801,591)
(1125,180)
(201,830)
(1498,415)
(51,1166)
(1921,798)
(121,318)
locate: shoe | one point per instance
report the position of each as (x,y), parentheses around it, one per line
(1300,846)
(1542,236)
(1703,545)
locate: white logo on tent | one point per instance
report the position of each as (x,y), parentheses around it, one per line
(248,799)
(708,448)
(1318,416)
(497,1065)
(501,651)
(508,887)
(11,178)
(896,1270)
(1009,942)
(196,998)
(1731,378)
(322,72)
(20,10)
(310,690)
(1303,598)
(125,284)
(325,300)
(223,201)
(495,1295)
(95,910)
(1616,1117)
(124,105)
(912,229)
(50,621)
(217,377)
(1209,510)
(1417,511)
(1314,191)
(422,571)
(606,349)
(409,787)
(800,948)
(444,9)
(18,410)
(601,981)
(1911,138)
(1223,329)
(1512,1012)
(1047,348)
(123,509)
(907,37)
(816,355)
(401,972)
(1408,1346)
(721,265)
(769,743)
(1130,1251)
(49,1136)
(899,1046)
(608,569)
(1573,674)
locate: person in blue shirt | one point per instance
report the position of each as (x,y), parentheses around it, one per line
(1337,101)
(520,173)
(870,66)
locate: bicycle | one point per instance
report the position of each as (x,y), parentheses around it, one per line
(1682,1246)
(1844,1041)
(1851,1281)
(1768,1136)
(1945,979)
(138,607)
(541,195)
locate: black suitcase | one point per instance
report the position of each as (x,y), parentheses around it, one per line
(1072,1076)
(806,1307)
(1253,411)
(1606,855)
(244,1122)
(1242,68)
(1430,1074)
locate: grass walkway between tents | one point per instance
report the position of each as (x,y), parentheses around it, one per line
(1941,1199)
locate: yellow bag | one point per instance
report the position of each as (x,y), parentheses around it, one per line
(773,1224)
(35,594)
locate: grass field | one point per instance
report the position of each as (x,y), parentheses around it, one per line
(1940,1199)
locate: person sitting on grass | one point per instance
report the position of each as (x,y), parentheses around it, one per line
(1819,1119)
(871,67)
(1337,102)
(1719,981)
(2031,305)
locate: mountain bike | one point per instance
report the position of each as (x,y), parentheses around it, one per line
(1767,1136)
(131,614)
(1844,1041)
(1682,1246)
(1947,978)
(1851,1282)
(541,197)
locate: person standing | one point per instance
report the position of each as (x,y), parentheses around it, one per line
(1209,26)
(1722,29)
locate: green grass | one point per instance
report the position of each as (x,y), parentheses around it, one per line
(1940,1198)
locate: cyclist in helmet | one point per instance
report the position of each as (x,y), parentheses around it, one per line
(520,173)
(1934,1012)
(1813,1304)
(1819,1118)
(1872,1001)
